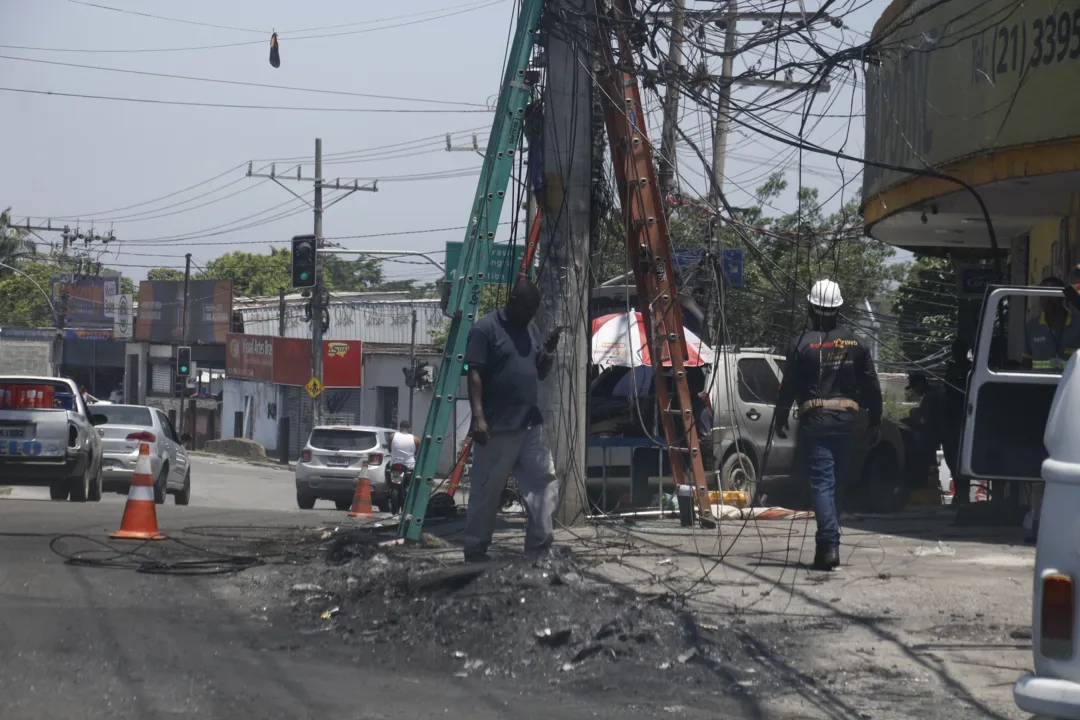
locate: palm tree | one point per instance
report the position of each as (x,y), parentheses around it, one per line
(15,243)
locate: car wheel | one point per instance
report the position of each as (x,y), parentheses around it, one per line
(80,486)
(94,495)
(343,504)
(59,491)
(739,473)
(304,501)
(184,496)
(884,489)
(160,489)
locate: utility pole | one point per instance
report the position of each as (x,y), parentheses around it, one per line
(668,138)
(319,299)
(184,340)
(723,110)
(412,367)
(565,277)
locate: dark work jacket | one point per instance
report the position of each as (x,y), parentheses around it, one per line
(829,365)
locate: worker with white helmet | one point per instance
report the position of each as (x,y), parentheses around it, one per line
(830,372)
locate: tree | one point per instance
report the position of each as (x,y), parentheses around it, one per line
(253,275)
(782,257)
(22,303)
(15,244)
(360,275)
(925,308)
(165,274)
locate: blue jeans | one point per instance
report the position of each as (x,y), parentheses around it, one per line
(824,459)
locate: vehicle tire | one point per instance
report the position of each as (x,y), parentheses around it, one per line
(739,473)
(384,506)
(94,494)
(304,501)
(343,504)
(395,502)
(80,486)
(184,496)
(161,490)
(59,491)
(884,489)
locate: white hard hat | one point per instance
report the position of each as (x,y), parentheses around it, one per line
(826,295)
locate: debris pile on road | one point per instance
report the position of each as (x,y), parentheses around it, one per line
(546,618)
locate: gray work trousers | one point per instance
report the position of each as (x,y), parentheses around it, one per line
(526,454)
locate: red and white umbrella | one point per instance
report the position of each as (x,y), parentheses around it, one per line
(618,340)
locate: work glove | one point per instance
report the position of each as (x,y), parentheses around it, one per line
(780,427)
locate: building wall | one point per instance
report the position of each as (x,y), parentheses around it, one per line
(25,357)
(1041,245)
(262,425)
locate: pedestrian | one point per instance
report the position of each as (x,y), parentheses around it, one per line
(507,361)
(956,377)
(830,372)
(1050,340)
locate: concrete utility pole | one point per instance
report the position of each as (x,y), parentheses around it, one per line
(723,111)
(319,298)
(412,367)
(669,137)
(184,340)
(564,277)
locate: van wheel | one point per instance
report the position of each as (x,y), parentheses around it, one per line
(59,491)
(80,486)
(739,473)
(94,494)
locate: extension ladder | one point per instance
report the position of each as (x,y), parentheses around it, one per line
(649,248)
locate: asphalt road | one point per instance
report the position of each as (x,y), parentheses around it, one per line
(90,643)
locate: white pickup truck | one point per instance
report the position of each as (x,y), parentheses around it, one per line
(48,438)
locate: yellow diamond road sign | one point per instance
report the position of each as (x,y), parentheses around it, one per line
(314,387)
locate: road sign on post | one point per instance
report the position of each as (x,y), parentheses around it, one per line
(501,267)
(314,387)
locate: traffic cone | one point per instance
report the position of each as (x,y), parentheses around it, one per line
(140,516)
(361,502)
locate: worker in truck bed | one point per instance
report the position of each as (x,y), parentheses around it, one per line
(831,374)
(1050,340)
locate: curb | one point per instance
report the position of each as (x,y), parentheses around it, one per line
(257,463)
(6,490)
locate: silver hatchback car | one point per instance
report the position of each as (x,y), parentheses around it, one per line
(333,460)
(127,427)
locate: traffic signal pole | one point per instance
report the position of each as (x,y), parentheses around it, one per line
(319,297)
(184,333)
(412,367)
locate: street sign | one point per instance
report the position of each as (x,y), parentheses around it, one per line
(119,306)
(500,269)
(314,387)
(733,267)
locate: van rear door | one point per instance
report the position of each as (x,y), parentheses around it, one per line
(1007,405)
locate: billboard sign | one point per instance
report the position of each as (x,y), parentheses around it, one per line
(123,315)
(249,357)
(287,361)
(161,311)
(88,298)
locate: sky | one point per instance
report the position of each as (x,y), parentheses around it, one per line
(169,179)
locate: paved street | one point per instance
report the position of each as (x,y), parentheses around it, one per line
(924,620)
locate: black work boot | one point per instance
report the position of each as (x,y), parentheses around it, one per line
(826,558)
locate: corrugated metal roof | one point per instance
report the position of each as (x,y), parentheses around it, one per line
(369,321)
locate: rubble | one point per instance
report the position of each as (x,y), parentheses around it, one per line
(546,619)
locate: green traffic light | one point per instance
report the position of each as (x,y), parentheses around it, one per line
(183,368)
(304,276)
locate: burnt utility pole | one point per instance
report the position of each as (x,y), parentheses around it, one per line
(319,299)
(567,218)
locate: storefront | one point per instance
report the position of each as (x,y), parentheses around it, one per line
(975,103)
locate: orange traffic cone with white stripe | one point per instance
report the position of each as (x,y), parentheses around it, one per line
(140,515)
(361,502)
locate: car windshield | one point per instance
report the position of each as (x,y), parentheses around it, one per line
(344,439)
(125,415)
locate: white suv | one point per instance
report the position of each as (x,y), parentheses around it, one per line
(333,459)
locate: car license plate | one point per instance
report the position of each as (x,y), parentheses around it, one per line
(338,462)
(14,433)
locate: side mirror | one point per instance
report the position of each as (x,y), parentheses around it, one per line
(98,419)
(185,438)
